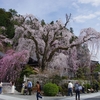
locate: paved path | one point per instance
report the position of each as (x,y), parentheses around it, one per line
(84,96)
(33,97)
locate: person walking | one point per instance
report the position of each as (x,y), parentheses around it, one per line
(70,89)
(38,87)
(77,91)
(29,87)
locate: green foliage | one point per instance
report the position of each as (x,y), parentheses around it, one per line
(52,22)
(8,45)
(10,30)
(55,79)
(3,17)
(60,89)
(87,86)
(71,30)
(5,21)
(97,68)
(50,89)
(42,22)
(82,72)
(2,30)
(13,11)
(73,38)
(28,70)
(64,77)
(64,89)
(1,49)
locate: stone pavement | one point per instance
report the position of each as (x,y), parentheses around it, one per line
(33,97)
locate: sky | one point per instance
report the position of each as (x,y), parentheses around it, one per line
(84,13)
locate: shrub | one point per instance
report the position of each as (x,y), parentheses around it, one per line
(87,86)
(64,89)
(50,89)
(60,88)
(55,79)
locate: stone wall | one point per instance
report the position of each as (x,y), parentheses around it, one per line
(6,87)
(43,78)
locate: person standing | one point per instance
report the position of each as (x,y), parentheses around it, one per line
(96,87)
(83,89)
(70,89)
(23,86)
(13,88)
(38,87)
(29,87)
(77,91)
(0,87)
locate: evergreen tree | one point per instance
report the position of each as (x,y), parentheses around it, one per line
(6,22)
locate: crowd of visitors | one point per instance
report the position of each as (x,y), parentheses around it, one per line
(78,88)
(27,87)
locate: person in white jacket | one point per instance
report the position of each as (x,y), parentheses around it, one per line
(13,88)
(70,89)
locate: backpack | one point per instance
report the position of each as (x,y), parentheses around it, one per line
(29,84)
(77,86)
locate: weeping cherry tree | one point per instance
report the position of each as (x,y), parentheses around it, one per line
(45,41)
